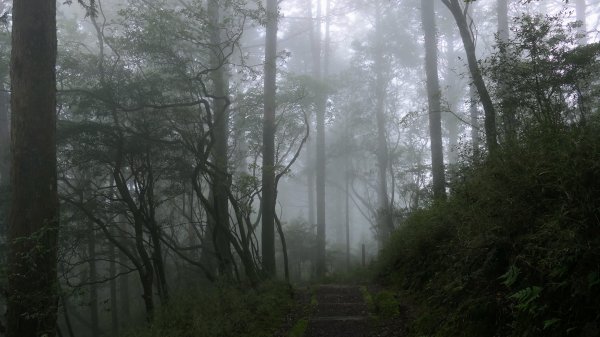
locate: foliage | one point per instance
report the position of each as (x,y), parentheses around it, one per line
(515,249)
(544,76)
(222,311)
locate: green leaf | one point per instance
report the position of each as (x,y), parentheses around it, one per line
(511,276)
(550,322)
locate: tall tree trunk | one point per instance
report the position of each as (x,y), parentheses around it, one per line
(4,163)
(347,190)
(310,155)
(460,16)
(433,97)
(220,185)
(385,220)
(580,12)
(124,293)
(268,167)
(310,182)
(33,226)
(502,20)
(114,300)
(452,96)
(320,107)
(474,115)
(93,278)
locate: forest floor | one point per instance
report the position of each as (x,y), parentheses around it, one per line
(343,311)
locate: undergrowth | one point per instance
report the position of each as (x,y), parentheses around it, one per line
(515,250)
(222,312)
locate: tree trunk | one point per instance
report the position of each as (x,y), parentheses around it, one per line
(474,115)
(580,9)
(433,97)
(4,163)
(268,169)
(114,304)
(93,277)
(454,92)
(320,107)
(220,184)
(488,107)
(124,293)
(385,220)
(33,226)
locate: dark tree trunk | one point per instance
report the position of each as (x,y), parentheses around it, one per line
(220,184)
(93,277)
(474,115)
(268,169)
(4,164)
(460,17)
(33,225)
(434,98)
(114,304)
(124,293)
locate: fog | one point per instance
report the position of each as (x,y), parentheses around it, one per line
(188,151)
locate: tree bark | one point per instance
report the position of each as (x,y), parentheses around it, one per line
(460,16)
(220,184)
(385,220)
(4,160)
(33,226)
(474,115)
(93,277)
(268,165)
(433,97)
(114,304)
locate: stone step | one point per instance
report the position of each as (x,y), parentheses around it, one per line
(341,309)
(337,318)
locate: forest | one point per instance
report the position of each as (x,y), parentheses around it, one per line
(299,168)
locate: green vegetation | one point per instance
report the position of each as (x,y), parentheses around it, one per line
(299,328)
(515,250)
(223,311)
(383,305)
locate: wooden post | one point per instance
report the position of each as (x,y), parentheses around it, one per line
(363,255)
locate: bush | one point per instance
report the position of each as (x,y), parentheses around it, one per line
(515,250)
(222,312)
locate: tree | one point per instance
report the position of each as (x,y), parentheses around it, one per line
(386,222)
(33,224)
(580,9)
(268,166)
(434,97)
(320,107)
(219,226)
(460,14)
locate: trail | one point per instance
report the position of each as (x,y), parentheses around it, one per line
(341,311)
